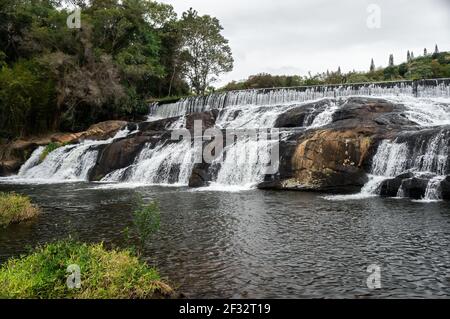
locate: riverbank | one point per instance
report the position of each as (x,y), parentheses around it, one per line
(72,270)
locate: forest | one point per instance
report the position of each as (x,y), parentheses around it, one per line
(125,53)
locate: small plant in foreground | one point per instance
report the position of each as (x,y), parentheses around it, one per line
(15,208)
(146,222)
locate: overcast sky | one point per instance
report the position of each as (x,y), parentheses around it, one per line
(297,36)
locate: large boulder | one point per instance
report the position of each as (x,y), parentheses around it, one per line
(328,161)
(302,115)
(415,187)
(102,131)
(117,155)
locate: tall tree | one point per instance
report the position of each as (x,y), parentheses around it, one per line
(206,53)
(408,57)
(425,52)
(391,60)
(372,66)
(436,49)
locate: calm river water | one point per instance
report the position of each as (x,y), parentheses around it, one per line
(257,244)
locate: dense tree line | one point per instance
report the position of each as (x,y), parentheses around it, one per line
(436,65)
(126,53)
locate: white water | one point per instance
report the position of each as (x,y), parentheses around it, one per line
(426,156)
(164,164)
(433,191)
(69,163)
(171,163)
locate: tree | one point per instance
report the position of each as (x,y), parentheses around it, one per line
(425,52)
(436,49)
(391,60)
(372,66)
(205,52)
(408,57)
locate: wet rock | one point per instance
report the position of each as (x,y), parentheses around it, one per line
(302,115)
(390,187)
(415,187)
(117,155)
(445,188)
(325,160)
(200,176)
(207,119)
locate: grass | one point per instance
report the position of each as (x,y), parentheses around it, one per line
(104,274)
(15,208)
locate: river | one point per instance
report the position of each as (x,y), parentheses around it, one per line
(256,244)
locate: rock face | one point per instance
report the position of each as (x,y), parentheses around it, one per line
(445,188)
(117,155)
(302,115)
(336,158)
(327,160)
(13,155)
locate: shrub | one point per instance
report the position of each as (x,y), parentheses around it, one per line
(104,274)
(16,208)
(146,221)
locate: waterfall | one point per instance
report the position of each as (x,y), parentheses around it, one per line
(163,164)
(66,163)
(244,164)
(390,159)
(286,96)
(171,162)
(433,191)
(420,156)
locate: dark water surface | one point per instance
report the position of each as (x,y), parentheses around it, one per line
(257,243)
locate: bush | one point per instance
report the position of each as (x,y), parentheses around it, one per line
(146,221)
(104,274)
(15,208)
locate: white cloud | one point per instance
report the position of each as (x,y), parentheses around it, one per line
(294,37)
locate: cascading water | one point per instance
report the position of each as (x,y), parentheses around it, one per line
(164,164)
(422,156)
(170,162)
(67,163)
(285,96)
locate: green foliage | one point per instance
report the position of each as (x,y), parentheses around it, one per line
(205,52)
(48,149)
(105,274)
(430,66)
(146,221)
(127,52)
(15,208)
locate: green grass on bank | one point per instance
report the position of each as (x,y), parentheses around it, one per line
(104,274)
(15,208)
